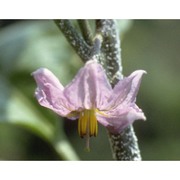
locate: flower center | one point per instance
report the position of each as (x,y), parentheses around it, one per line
(87,125)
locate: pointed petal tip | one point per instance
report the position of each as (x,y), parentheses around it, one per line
(143,71)
(138,113)
(139,72)
(134,115)
(40,71)
(143,117)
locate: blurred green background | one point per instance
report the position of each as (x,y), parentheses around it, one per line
(31,132)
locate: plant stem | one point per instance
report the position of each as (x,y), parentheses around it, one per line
(124,145)
(74,38)
(86,31)
(110,49)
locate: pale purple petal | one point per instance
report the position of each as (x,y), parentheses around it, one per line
(126,90)
(49,92)
(115,121)
(90,88)
(121,110)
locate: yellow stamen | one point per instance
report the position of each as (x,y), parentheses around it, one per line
(84,123)
(93,124)
(87,124)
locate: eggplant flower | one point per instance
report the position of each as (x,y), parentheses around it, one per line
(91,99)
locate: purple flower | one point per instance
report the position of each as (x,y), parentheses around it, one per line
(90,98)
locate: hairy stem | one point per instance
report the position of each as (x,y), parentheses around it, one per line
(124,145)
(110,49)
(75,39)
(86,31)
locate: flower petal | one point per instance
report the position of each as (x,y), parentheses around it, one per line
(90,88)
(49,92)
(126,90)
(117,121)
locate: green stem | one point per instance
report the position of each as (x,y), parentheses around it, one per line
(111,49)
(124,145)
(74,38)
(86,31)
